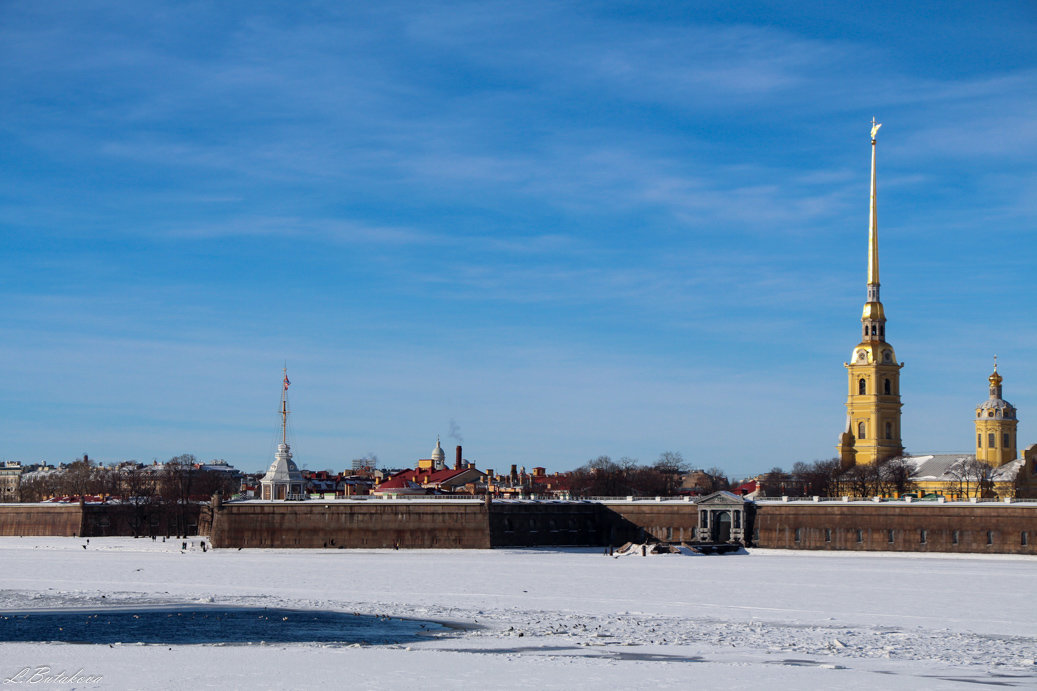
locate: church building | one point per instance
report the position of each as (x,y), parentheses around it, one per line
(873,405)
(873,410)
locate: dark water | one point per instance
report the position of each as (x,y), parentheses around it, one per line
(195,624)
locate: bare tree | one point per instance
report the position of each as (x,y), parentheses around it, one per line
(895,477)
(818,479)
(177,481)
(105,481)
(774,483)
(862,480)
(972,476)
(669,472)
(76,480)
(672,462)
(605,477)
(37,487)
(141,491)
(209,482)
(716,480)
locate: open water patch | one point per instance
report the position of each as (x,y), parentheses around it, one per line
(193,624)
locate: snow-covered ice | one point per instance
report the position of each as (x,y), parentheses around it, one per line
(550,618)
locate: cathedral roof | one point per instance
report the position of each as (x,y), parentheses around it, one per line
(996,404)
(939,466)
(935,466)
(1009,471)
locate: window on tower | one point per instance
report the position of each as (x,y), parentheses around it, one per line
(889,430)
(888,387)
(979,441)
(862,387)
(860,430)
(1007,441)
(991,440)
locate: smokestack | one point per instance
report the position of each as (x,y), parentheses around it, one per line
(457,461)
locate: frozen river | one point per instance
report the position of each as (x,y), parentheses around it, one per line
(541,618)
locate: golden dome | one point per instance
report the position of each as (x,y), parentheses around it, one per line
(870,352)
(995,379)
(873,312)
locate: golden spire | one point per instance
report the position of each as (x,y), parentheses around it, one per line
(873,228)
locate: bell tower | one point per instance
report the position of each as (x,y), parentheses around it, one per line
(873,404)
(995,425)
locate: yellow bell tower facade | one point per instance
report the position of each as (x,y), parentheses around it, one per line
(873,405)
(995,426)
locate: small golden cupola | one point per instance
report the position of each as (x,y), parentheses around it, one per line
(996,423)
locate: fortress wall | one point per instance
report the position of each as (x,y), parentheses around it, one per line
(100,520)
(36,519)
(669,521)
(349,524)
(555,523)
(981,528)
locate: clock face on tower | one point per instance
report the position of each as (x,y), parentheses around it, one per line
(861,356)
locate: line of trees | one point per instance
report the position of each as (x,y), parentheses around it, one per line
(147,489)
(969,476)
(603,477)
(176,480)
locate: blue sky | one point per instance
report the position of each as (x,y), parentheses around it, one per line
(557,230)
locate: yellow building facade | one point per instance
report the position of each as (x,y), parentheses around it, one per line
(873,404)
(873,413)
(996,422)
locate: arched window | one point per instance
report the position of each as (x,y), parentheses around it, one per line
(862,387)
(860,430)
(991,440)
(979,441)
(1007,441)
(889,430)
(888,387)
(873,331)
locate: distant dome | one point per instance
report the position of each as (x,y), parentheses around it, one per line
(437,453)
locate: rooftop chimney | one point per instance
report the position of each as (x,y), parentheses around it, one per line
(457,461)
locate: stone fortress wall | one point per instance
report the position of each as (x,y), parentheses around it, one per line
(984,527)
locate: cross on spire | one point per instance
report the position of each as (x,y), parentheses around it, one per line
(874,128)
